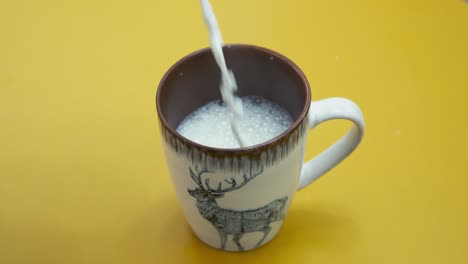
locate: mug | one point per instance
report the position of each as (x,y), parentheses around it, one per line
(237,199)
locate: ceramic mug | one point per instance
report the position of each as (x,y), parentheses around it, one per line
(237,199)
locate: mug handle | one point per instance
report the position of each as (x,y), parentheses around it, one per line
(324,110)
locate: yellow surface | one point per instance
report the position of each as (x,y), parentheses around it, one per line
(82,173)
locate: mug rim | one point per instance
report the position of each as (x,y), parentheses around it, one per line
(241,150)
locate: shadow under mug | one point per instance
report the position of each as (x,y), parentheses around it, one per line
(237,199)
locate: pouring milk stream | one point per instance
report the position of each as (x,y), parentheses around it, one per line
(228,81)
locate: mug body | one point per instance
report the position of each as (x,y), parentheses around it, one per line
(234,199)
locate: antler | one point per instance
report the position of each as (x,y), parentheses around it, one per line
(197,178)
(233,183)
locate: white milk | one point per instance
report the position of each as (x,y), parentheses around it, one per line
(228,82)
(262,120)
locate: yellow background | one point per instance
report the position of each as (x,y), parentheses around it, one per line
(82,173)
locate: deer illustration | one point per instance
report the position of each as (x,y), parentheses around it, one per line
(234,222)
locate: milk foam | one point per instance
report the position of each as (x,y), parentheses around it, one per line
(262,120)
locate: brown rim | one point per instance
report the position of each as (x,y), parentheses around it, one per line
(253,148)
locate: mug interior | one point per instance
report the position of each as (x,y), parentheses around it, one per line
(194,81)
